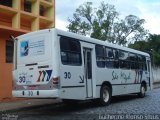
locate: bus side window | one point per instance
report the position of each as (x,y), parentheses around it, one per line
(142,62)
(124,60)
(100,56)
(133,60)
(110,58)
(116,58)
(70,51)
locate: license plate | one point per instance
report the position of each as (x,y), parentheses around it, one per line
(28,93)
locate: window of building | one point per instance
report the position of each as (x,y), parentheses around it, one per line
(6,3)
(9,51)
(124,60)
(100,56)
(70,51)
(27,6)
(42,10)
(48,0)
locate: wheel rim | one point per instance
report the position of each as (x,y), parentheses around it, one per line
(105,95)
(142,90)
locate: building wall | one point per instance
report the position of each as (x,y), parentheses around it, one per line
(5,86)
(5,68)
(14,20)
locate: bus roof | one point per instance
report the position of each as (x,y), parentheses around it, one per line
(86,39)
(96,41)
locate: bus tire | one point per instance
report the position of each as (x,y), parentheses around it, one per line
(142,94)
(105,95)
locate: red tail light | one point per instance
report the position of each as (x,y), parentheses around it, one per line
(55,80)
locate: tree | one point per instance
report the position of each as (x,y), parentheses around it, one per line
(154,43)
(95,22)
(129,29)
(140,45)
(151,46)
(103,23)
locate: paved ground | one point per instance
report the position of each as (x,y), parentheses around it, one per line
(24,104)
(121,107)
(156,84)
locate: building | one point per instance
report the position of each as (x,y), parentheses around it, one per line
(18,17)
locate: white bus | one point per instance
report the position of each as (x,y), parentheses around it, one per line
(56,64)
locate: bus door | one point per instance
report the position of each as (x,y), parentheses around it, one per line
(88,71)
(149,71)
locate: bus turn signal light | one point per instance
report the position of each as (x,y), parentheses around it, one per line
(55,80)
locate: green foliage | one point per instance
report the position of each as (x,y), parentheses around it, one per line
(140,45)
(129,29)
(103,23)
(98,21)
(151,46)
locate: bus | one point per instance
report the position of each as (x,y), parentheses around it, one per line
(52,63)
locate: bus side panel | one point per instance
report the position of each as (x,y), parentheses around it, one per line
(71,86)
(134,88)
(72,83)
(122,81)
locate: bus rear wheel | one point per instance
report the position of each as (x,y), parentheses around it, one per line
(105,95)
(142,92)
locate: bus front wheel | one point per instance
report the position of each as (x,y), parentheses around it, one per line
(105,95)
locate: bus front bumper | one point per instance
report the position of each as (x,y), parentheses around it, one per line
(36,93)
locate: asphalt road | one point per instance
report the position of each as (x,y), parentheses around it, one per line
(121,107)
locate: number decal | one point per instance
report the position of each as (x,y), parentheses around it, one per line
(30,93)
(67,75)
(22,79)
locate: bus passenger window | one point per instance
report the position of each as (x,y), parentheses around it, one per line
(142,62)
(116,58)
(110,58)
(133,60)
(100,56)
(70,51)
(124,60)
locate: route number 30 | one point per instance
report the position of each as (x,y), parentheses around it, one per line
(67,75)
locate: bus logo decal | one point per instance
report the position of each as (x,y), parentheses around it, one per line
(138,76)
(40,73)
(44,75)
(24,49)
(49,72)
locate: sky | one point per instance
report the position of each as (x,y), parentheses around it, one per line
(144,9)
